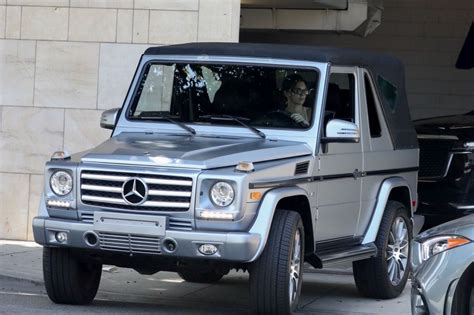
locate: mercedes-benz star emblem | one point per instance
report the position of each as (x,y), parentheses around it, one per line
(134,191)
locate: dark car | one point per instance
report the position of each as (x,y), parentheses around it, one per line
(446,177)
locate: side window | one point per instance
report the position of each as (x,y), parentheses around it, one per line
(340,100)
(389,92)
(374,123)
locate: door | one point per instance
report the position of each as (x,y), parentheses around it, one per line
(339,190)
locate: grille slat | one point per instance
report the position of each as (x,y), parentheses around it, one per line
(130,243)
(157,181)
(165,193)
(145,204)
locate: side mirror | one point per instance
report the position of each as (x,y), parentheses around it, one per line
(109,118)
(338,130)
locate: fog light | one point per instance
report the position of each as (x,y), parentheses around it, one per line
(207,249)
(61,237)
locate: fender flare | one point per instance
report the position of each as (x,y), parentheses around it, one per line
(266,211)
(382,198)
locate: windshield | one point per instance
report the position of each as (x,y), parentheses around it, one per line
(257,96)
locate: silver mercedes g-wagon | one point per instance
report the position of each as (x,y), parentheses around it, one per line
(246,156)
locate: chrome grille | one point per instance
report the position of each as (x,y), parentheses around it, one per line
(165,193)
(129,243)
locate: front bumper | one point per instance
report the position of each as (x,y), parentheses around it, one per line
(435,280)
(231,246)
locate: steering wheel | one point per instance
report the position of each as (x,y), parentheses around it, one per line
(277,118)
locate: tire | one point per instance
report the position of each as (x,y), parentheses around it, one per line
(67,280)
(203,277)
(270,279)
(377,277)
(463,300)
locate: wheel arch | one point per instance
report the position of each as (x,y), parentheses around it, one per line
(271,201)
(393,187)
(300,204)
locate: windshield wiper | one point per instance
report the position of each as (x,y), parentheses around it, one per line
(238,120)
(165,117)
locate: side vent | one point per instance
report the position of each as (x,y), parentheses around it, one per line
(302,168)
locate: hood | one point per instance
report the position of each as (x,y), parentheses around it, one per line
(461,126)
(196,152)
(463,226)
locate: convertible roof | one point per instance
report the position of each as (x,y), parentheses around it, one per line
(339,56)
(379,64)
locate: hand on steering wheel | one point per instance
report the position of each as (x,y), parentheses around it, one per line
(299,120)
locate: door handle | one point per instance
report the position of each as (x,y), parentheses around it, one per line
(358,174)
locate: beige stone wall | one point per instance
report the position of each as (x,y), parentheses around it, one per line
(427,35)
(62,62)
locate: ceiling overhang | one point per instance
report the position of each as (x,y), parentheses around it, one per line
(296,4)
(359,17)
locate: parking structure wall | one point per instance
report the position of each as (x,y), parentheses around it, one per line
(63,62)
(427,35)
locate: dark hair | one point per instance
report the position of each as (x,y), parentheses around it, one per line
(290,82)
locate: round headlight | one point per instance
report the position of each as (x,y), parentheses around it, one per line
(61,183)
(222,194)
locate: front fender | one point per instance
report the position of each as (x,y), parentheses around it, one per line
(265,213)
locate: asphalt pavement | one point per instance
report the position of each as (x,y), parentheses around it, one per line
(124,291)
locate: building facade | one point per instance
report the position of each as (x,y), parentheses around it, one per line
(63,62)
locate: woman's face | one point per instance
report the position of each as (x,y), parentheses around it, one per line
(297,95)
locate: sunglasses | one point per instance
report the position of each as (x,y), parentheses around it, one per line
(300,92)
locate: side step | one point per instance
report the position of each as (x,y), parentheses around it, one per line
(338,255)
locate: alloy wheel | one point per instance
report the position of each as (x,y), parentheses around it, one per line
(397,250)
(295,267)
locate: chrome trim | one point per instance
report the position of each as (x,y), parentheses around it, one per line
(145,204)
(437,137)
(153,192)
(116,178)
(101,188)
(461,206)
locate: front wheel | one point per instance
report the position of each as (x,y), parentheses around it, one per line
(67,279)
(276,277)
(385,275)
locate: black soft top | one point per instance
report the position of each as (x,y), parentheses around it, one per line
(379,65)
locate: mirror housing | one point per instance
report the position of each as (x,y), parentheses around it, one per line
(343,131)
(109,118)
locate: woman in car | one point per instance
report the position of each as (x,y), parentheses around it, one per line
(295,91)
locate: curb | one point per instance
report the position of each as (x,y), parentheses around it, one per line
(8,277)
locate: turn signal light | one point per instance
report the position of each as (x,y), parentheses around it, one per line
(255,196)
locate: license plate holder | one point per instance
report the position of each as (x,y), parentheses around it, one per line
(124,223)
